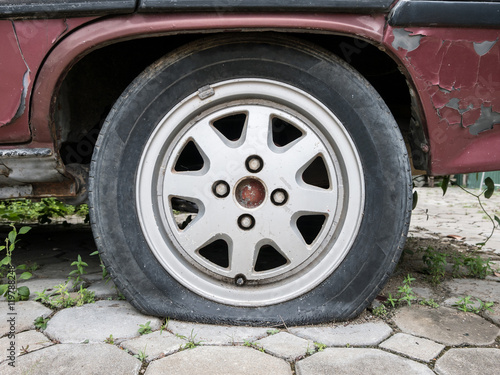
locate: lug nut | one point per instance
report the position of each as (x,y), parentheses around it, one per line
(246,222)
(220,189)
(254,163)
(240,280)
(279,197)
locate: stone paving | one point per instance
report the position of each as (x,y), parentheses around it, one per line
(104,338)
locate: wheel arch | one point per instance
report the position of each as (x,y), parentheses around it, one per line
(59,87)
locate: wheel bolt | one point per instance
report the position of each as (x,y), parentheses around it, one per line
(220,189)
(246,222)
(254,163)
(279,197)
(240,280)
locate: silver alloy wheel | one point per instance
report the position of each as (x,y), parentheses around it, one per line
(274,217)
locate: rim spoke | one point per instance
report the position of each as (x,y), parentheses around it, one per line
(243,256)
(187,185)
(197,233)
(257,127)
(209,143)
(290,243)
(305,150)
(314,200)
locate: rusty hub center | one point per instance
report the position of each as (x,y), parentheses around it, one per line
(250,193)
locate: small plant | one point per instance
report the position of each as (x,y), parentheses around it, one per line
(406,292)
(144,328)
(392,301)
(10,290)
(80,271)
(273,331)
(429,302)
(141,356)
(435,264)
(164,326)
(380,311)
(192,343)
(41,322)
(120,296)
(61,298)
(110,340)
(309,350)
(85,296)
(24,349)
(478,267)
(105,274)
(43,297)
(475,266)
(319,346)
(466,304)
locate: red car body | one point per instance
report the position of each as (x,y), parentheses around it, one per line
(453,73)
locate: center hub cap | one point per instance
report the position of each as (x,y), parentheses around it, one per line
(250,193)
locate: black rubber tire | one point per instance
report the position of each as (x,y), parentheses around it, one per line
(388,195)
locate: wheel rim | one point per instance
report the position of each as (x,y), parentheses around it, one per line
(276,182)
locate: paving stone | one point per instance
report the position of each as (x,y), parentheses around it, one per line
(24,314)
(155,345)
(24,342)
(58,270)
(286,346)
(358,335)
(96,321)
(103,289)
(217,360)
(469,361)
(423,292)
(209,334)
(413,347)
(75,359)
(446,326)
(355,361)
(92,277)
(485,290)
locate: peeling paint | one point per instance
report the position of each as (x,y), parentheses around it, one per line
(406,40)
(25,152)
(485,121)
(484,47)
(25,83)
(457,76)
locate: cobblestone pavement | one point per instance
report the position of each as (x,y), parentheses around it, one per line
(103,337)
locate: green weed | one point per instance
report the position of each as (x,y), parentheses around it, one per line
(144,328)
(141,356)
(380,311)
(429,302)
(466,304)
(79,272)
(10,290)
(110,340)
(41,322)
(435,264)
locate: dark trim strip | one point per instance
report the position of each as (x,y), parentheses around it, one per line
(63,8)
(359,6)
(446,13)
